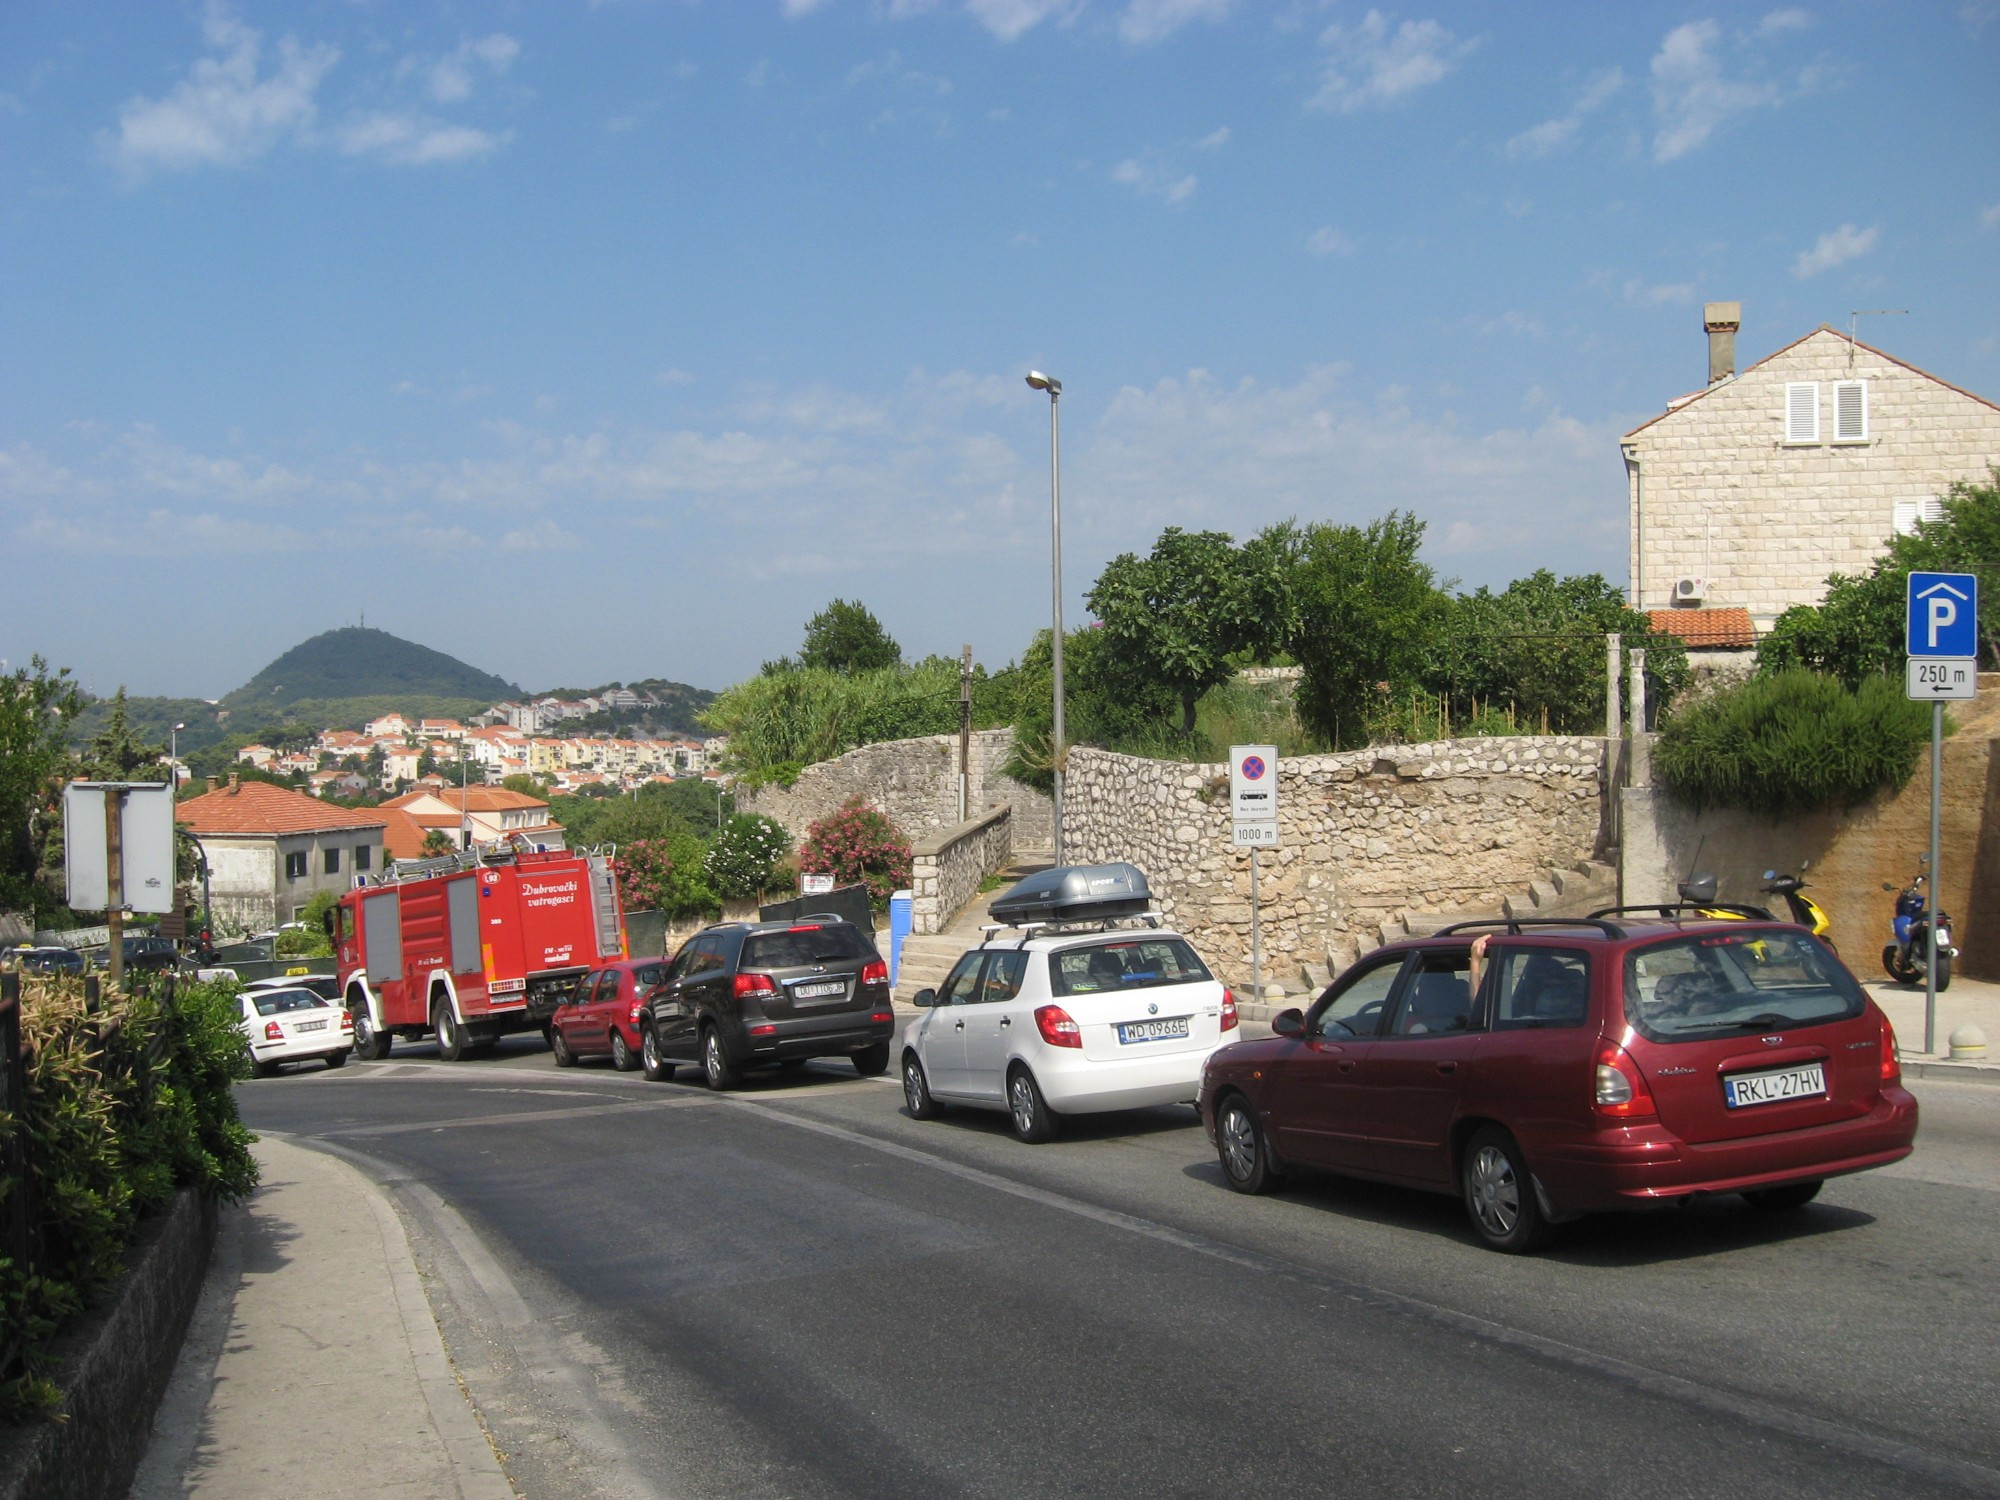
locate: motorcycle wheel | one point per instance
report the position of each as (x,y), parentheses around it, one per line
(1943,972)
(1892,966)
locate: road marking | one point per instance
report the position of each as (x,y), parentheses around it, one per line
(1888,1451)
(521,1117)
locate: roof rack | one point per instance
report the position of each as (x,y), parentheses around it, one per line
(1515,925)
(1076,925)
(1682,909)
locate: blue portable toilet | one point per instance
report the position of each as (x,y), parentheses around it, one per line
(899,928)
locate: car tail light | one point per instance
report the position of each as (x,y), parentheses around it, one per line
(1892,1066)
(1228,1011)
(273,1032)
(1621,1088)
(804,927)
(635,1012)
(881,1017)
(744,985)
(764,1028)
(875,973)
(1057,1029)
(346,1021)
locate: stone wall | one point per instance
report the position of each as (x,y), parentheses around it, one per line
(1448,826)
(915,782)
(1727,499)
(946,869)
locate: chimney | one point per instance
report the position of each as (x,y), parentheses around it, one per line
(213,783)
(1721,319)
(235,783)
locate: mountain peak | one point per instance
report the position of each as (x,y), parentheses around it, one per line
(356,661)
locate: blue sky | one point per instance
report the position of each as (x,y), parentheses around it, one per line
(606,341)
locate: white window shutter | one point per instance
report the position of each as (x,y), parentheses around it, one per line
(1850,411)
(1802,412)
(1910,513)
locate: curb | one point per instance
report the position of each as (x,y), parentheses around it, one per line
(1954,1072)
(114,1364)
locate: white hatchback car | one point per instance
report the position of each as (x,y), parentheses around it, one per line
(1067,1022)
(294,1025)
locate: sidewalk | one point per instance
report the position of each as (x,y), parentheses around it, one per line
(313,1365)
(1973,1002)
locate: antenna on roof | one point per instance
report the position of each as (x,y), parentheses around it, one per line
(1868,312)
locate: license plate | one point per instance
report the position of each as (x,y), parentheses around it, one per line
(1153,1031)
(1806,1081)
(818,991)
(308,1025)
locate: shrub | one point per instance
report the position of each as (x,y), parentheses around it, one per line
(744,855)
(858,845)
(666,874)
(1792,742)
(125,1103)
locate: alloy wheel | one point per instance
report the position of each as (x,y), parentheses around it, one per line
(1021,1096)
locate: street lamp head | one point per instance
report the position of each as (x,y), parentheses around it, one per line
(1043,382)
(179,727)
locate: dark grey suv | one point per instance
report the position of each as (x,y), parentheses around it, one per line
(744,995)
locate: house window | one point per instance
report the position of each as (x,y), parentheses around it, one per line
(1802,412)
(295,865)
(1909,513)
(362,856)
(333,861)
(1850,411)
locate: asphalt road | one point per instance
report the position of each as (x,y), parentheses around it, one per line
(797,1290)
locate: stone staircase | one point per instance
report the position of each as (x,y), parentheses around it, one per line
(1573,892)
(928,959)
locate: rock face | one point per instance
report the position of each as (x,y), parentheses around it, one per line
(1449,826)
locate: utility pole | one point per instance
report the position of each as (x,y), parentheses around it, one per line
(114,880)
(965,733)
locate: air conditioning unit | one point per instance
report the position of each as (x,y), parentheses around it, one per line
(1690,590)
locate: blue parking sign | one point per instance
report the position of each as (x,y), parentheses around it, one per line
(1943,618)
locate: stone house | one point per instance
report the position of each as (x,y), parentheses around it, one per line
(1748,493)
(270,850)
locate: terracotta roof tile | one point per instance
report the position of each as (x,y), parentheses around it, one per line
(403,837)
(1706,627)
(254,807)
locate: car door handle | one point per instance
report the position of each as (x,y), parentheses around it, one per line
(958,1025)
(1006,1021)
(1450,1067)
(1346,1066)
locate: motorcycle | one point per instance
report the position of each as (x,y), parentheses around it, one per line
(1906,958)
(1807,912)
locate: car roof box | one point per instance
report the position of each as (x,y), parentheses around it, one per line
(1075,893)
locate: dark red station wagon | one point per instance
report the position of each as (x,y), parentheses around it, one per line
(1546,1070)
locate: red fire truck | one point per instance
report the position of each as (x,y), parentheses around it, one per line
(472,946)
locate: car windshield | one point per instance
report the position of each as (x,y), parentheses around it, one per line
(277,1002)
(1719,984)
(802,947)
(1126,963)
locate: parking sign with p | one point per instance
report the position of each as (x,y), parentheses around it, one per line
(1943,615)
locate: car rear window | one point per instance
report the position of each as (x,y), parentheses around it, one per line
(1128,963)
(803,947)
(277,1002)
(1718,984)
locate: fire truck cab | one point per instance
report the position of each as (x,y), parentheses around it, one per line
(472,946)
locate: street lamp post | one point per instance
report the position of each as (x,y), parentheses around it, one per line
(1053,386)
(174,757)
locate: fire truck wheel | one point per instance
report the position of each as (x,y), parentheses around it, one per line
(658,1069)
(450,1035)
(623,1058)
(717,1071)
(560,1047)
(370,1045)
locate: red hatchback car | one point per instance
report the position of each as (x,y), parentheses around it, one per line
(603,1012)
(1567,1068)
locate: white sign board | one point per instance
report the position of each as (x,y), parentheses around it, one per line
(146,841)
(1254,835)
(1253,784)
(1936,678)
(815,885)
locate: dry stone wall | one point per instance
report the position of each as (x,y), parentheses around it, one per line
(1450,826)
(915,782)
(946,869)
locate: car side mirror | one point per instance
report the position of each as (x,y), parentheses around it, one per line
(924,999)
(1289,1023)
(1773,874)
(1887,886)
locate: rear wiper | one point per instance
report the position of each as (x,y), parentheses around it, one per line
(1758,1023)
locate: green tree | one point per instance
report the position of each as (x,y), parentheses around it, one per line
(1856,631)
(1107,701)
(36,709)
(1179,614)
(437,842)
(1364,618)
(527,786)
(743,856)
(115,753)
(846,637)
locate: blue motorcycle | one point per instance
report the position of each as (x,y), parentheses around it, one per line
(1906,958)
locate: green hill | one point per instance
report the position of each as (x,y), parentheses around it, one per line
(356,662)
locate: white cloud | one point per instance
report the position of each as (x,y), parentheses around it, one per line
(543,536)
(1511,322)
(451,77)
(1778,22)
(409,140)
(1215,140)
(1552,135)
(1147,21)
(1988,218)
(1326,240)
(1009,20)
(1835,248)
(1367,65)
(227,111)
(1692,96)
(1640,294)
(1154,179)
(794,9)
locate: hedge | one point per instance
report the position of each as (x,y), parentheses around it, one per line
(128,1098)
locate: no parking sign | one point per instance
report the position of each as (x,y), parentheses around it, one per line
(1253,795)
